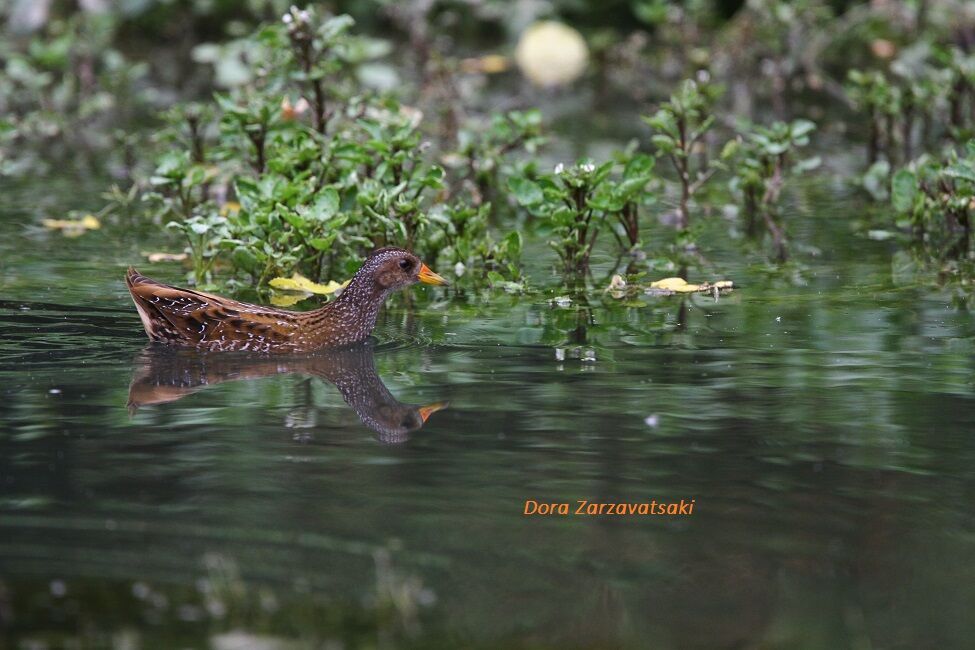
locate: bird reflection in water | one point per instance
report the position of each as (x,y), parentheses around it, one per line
(163,374)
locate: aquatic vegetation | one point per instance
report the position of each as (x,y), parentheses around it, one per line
(785,41)
(893,110)
(320,180)
(764,158)
(579,201)
(680,126)
(313,153)
(935,198)
(63,89)
(203,234)
(926,94)
(482,158)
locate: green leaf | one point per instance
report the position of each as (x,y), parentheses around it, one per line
(323,243)
(640,165)
(245,259)
(802,128)
(664,143)
(730,149)
(808,164)
(961,171)
(327,205)
(525,191)
(513,244)
(903,189)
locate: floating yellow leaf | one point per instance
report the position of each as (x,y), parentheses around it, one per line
(680,285)
(228,207)
(677,285)
(164,257)
(298,282)
(73,227)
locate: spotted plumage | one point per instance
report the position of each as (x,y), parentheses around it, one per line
(188,318)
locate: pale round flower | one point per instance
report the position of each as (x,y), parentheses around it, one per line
(551,54)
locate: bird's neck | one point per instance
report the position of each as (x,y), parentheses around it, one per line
(354,313)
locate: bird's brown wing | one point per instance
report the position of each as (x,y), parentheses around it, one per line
(193,318)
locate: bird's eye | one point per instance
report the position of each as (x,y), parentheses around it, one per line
(405,264)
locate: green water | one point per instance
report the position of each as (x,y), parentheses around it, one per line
(820,420)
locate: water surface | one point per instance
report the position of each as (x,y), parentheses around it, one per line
(820,420)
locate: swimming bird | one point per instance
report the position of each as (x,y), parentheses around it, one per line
(188,318)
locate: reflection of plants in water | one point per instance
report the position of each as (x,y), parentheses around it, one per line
(579,328)
(394,608)
(224,605)
(916,267)
(400,597)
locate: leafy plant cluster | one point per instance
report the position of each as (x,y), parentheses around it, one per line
(302,171)
(764,158)
(927,94)
(576,203)
(924,101)
(298,168)
(580,201)
(934,197)
(63,89)
(680,126)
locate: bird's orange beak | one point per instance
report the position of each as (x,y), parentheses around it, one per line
(429,277)
(428,410)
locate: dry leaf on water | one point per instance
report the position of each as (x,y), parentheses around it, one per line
(164,257)
(669,286)
(73,227)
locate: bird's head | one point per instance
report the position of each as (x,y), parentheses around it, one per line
(394,268)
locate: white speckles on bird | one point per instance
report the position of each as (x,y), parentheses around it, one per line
(184,317)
